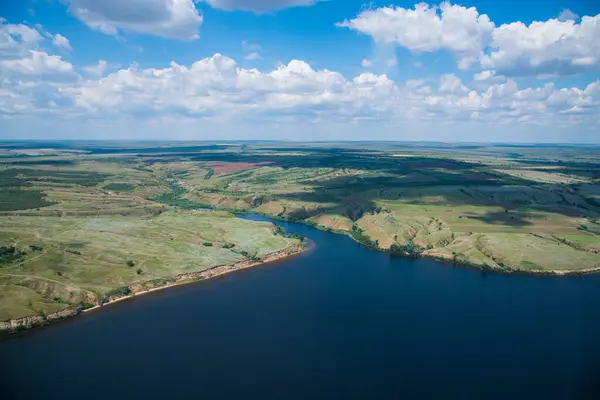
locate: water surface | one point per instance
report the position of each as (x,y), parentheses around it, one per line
(340,321)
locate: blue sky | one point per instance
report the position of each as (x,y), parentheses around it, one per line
(301,70)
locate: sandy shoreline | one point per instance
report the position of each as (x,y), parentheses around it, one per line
(25,323)
(194,277)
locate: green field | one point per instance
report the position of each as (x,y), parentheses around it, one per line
(79,230)
(79,259)
(89,219)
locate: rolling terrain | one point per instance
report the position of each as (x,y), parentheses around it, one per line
(84,223)
(78,234)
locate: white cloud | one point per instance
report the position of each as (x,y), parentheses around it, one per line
(62,42)
(575,100)
(460,30)
(259,6)
(38,67)
(98,69)
(16,40)
(452,84)
(217,91)
(22,58)
(489,76)
(484,75)
(217,87)
(554,47)
(366,63)
(252,56)
(567,15)
(31,79)
(177,19)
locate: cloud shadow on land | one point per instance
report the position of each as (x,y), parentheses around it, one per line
(425,182)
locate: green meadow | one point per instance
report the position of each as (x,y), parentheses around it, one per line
(87,220)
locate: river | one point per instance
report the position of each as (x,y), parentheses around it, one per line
(339,321)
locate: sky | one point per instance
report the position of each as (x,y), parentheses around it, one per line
(469,71)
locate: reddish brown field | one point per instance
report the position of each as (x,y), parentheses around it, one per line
(231,167)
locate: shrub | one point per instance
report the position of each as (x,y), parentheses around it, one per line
(116,293)
(208,244)
(360,237)
(130,263)
(281,232)
(252,257)
(120,187)
(10,254)
(410,249)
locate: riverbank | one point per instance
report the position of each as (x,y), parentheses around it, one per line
(257,331)
(508,270)
(434,256)
(142,288)
(184,279)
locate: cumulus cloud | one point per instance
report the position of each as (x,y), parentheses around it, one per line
(575,100)
(489,76)
(460,30)
(30,78)
(29,98)
(177,19)
(17,39)
(553,47)
(97,69)
(62,42)
(259,6)
(452,84)
(21,56)
(39,67)
(214,84)
(219,89)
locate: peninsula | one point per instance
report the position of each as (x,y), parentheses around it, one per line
(88,223)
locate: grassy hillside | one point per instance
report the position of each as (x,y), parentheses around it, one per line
(76,233)
(77,260)
(84,220)
(483,206)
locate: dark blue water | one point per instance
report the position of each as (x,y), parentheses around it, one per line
(338,322)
